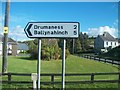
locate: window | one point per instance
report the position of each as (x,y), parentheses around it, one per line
(106,43)
(115,43)
(111,43)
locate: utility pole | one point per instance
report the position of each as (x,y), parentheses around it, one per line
(5,38)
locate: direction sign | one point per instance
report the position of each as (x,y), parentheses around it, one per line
(52,29)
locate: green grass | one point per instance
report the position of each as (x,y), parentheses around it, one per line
(74,64)
(94,86)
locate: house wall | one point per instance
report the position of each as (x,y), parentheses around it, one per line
(18,51)
(98,44)
(0,48)
(111,44)
(104,46)
(14,49)
(9,48)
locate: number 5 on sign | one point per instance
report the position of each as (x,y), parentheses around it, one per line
(5,29)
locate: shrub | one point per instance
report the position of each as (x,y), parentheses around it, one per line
(50,50)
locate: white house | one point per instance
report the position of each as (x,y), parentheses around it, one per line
(105,42)
(0,47)
(1,44)
(11,47)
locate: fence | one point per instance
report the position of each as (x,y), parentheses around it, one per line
(102,59)
(52,77)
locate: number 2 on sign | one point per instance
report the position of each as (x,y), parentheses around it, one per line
(75,26)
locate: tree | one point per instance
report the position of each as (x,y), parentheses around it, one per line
(33,49)
(77,47)
(50,49)
(69,45)
(84,38)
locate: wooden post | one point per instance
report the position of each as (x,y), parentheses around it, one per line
(105,60)
(119,78)
(92,77)
(9,78)
(52,79)
(99,58)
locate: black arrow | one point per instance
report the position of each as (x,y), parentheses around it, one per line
(28,29)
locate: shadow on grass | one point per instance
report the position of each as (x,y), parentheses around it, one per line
(27,58)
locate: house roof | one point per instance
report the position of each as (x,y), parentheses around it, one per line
(10,40)
(22,46)
(1,38)
(107,37)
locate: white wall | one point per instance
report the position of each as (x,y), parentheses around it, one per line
(101,45)
(18,51)
(0,48)
(111,44)
(9,48)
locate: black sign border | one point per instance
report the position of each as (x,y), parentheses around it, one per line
(52,37)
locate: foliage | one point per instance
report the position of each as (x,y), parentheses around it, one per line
(50,49)
(77,45)
(113,53)
(84,41)
(33,49)
(81,44)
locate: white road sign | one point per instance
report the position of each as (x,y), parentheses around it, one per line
(52,29)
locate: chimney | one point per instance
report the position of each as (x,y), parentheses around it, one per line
(104,34)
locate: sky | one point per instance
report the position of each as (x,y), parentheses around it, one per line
(94,17)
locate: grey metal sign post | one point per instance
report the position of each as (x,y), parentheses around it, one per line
(39,62)
(63,65)
(52,30)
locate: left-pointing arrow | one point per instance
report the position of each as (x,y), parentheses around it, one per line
(28,29)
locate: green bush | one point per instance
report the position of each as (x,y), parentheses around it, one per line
(50,50)
(112,54)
